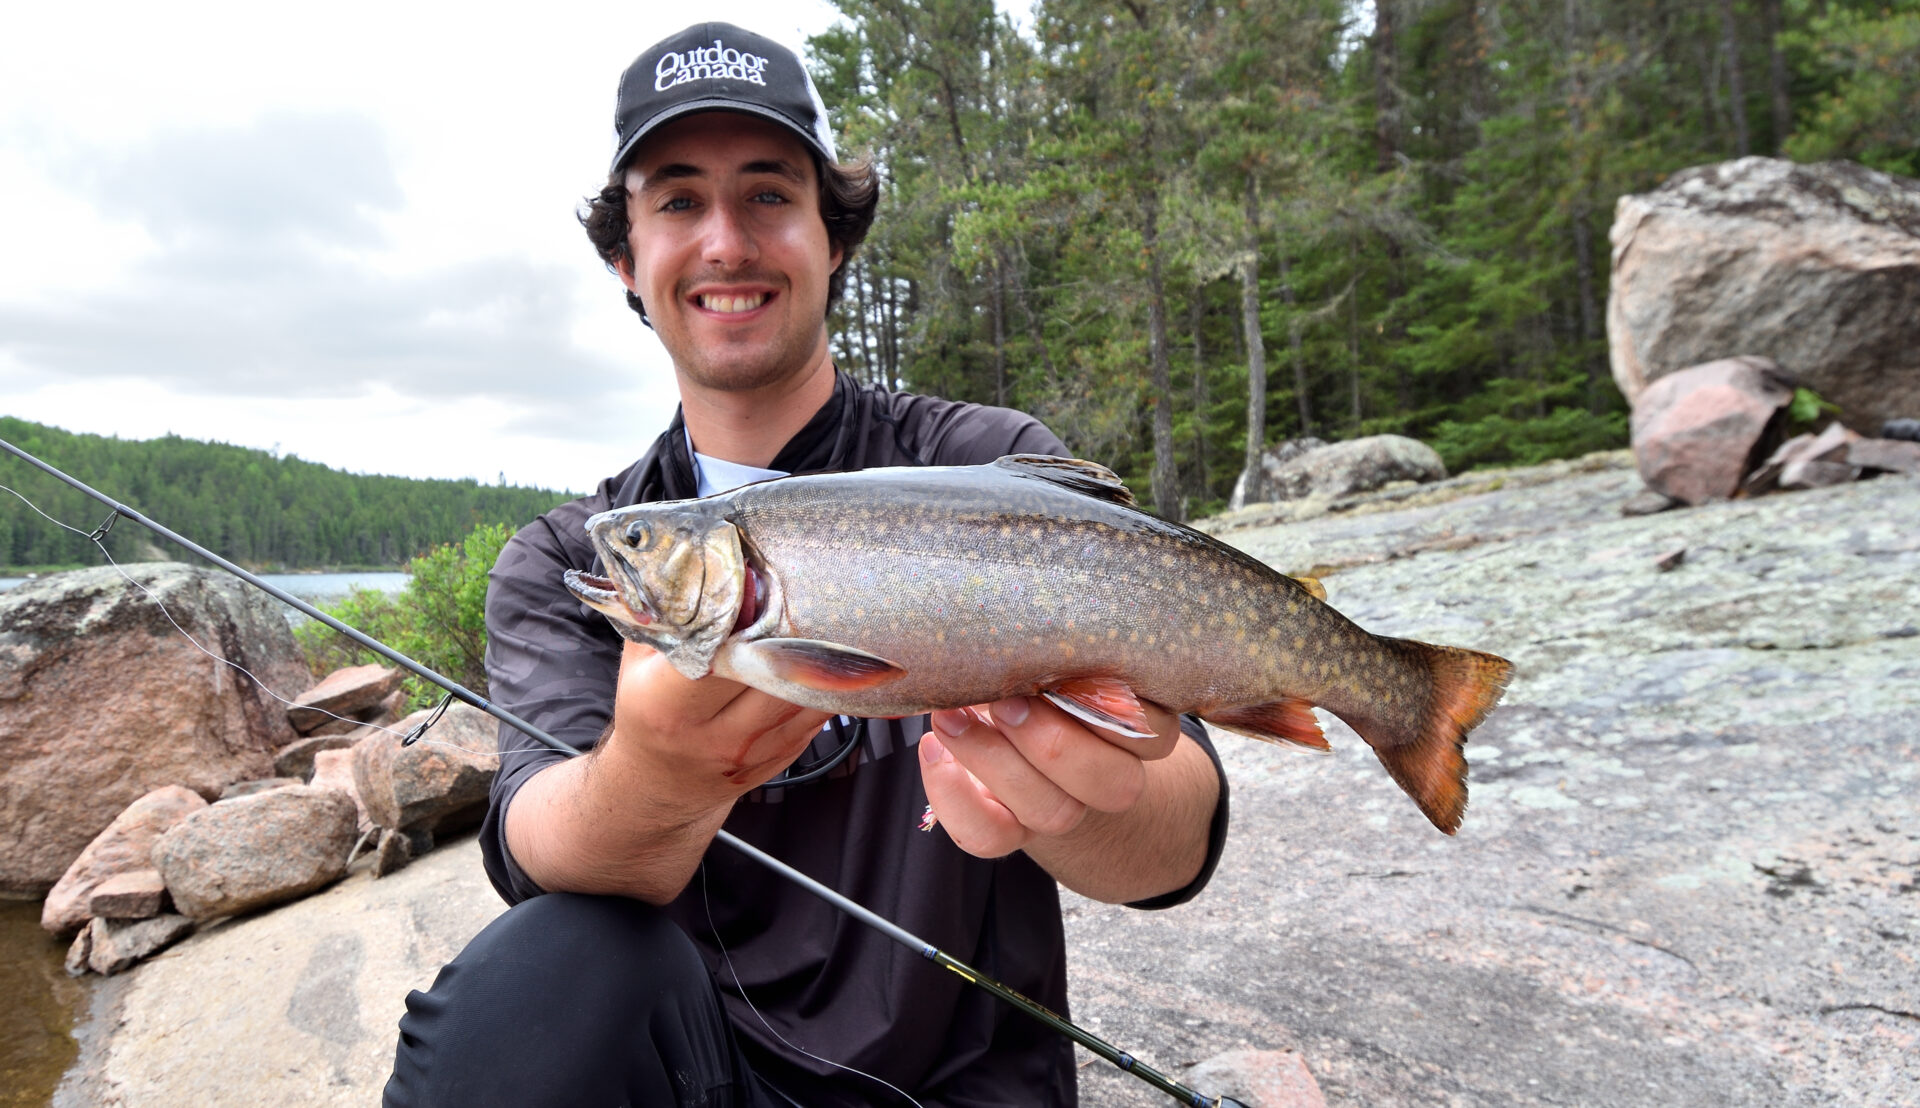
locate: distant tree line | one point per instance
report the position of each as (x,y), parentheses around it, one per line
(246,505)
(1179,231)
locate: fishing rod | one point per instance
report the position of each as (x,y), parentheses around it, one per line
(1126,1062)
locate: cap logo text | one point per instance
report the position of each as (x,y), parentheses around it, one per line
(708,63)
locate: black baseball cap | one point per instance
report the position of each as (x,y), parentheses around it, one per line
(717,67)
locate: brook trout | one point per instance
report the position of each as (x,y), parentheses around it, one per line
(893,592)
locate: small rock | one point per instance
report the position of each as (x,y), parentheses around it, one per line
(296,758)
(1906,429)
(1306,468)
(249,788)
(333,769)
(393,853)
(1258,1079)
(1670,559)
(118,944)
(256,851)
(1695,432)
(137,895)
(1889,454)
(80,951)
(342,693)
(439,783)
(125,846)
(1647,502)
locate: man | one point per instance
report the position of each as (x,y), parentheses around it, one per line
(642,964)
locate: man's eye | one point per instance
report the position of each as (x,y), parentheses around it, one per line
(676,204)
(769,196)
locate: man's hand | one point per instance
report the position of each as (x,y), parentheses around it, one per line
(1111,817)
(634,816)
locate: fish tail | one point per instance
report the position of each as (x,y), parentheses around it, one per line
(1423,752)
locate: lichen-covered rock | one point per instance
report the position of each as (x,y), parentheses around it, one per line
(440,782)
(124,847)
(103,700)
(1814,266)
(342,693)
(255,851)
(1695,432)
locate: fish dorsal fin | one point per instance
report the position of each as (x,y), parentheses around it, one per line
(1089,478)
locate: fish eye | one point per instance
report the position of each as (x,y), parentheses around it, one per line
(637,533)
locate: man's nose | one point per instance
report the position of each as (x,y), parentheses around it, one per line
(729,235)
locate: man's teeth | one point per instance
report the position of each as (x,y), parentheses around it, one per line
(732,303)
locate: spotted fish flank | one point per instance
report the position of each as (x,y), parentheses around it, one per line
(1031,575)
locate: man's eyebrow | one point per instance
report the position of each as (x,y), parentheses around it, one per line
(675,171)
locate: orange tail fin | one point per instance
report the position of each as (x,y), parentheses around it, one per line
(1428,762)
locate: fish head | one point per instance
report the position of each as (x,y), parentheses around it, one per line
(676,577)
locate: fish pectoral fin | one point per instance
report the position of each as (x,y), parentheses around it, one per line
(1104,702)
(1284,721)
(825,666)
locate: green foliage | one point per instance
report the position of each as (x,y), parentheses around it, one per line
(438,619)
(1868,62)
(1807,406)
(249,506)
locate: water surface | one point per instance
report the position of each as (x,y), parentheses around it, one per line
(42,1004)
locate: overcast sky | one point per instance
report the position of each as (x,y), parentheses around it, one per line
(345,231)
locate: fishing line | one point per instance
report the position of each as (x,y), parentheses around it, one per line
(1120,1058)
(791,1045)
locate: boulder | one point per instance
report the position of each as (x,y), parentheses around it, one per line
(126,846)
(257,850)
(1814,266)
(115,945)
(343,693)
(440,783)
(1306,468)
(103,700)
(140,894)
(1695,432)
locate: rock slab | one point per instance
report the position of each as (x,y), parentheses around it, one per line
(1310,468)
(1814,266)
(84,658)
(243,854)
(343,693)
(125,846)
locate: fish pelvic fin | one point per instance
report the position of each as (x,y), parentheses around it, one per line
(1283,721)
(1104,702)
(1313,586)
(1424,754)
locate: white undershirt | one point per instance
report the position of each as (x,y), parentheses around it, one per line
(719,475)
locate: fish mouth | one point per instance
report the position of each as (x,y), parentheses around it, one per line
(603,595)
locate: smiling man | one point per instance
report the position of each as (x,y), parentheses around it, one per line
(641,964)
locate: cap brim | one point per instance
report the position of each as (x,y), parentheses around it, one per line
(716,104)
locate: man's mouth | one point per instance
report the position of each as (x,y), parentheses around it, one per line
(728,305)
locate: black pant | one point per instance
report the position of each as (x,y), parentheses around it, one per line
(573,1000)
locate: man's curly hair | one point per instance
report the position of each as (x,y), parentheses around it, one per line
(849,193)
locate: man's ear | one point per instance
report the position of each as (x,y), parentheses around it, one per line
(623,265)
(839,256)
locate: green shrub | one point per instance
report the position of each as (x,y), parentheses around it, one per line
(439,618)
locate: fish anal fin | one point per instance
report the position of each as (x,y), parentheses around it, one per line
(1104,702)
(825,666)
(1426,755)
(1288,721)
(1089,478)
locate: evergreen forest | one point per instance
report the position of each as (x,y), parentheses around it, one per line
(1177,231)
(263,511)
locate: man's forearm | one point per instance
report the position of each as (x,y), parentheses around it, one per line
(1154,847)
(588,825)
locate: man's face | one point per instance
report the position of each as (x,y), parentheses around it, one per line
(730,254)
